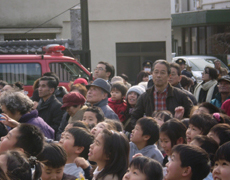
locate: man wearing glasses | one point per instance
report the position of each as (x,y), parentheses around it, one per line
(104,70)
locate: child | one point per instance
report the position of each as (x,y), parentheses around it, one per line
(26,137)
(16,166)
(172,133)
(162,116)
(222,163)
(54,159)
(199,124)
(76,143)
(92,116)
(116,102)
(144,168)
(117,125)
(220,133)
(187,163)
(110,151)
(100,126)
(143,139)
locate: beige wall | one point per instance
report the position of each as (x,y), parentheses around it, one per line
(127,21)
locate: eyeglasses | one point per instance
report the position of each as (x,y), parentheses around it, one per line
(99,69)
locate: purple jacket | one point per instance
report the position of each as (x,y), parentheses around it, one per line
(34,119)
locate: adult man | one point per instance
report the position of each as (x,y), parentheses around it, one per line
(147,66)
(175,78)
(183,70)
(97,95)
(104,70)
(162,96)
(221,71)
(49,108)
(224,91)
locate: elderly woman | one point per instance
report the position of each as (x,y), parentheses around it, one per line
(18,106)
(206,90)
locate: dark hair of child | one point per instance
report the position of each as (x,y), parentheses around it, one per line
(30,138)
(196,158)
(79,123)
(53,155)
(204,122)
(149,127)
(82,138)
(119,87)
(211,108)
(164,114)
(185,122)
(19,167)
(148,166)
(3,175)
(141,75)
(208,144)
(223,152)
(118,126)
(116,148)
(222,131)
(174,129)
(221,118)
(98,112)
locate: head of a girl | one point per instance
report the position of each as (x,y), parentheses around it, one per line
(172,133)
(110,151)
(162,116)
(118,91)
(25,136)
(209,73)
(54,159)
(133,93)
(222,162)
(99,127)
(144,168)
(92,116)
(16,165)
(206,107)
(199,124)
(220,133)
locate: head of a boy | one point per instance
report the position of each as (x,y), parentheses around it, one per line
(188,162)
(54,159)
(118,91)
(27,138)
(77,141)
(199,124)
(145,130)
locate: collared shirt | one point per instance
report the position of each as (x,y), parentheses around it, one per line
(160,99)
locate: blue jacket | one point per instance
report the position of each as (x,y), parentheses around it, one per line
(217,101)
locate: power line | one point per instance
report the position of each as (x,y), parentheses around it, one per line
(50,19)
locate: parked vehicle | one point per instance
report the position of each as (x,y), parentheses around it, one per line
(26,68)
(198,63)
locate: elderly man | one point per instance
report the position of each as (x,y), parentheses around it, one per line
(97,95)
(162,96)
(224,91)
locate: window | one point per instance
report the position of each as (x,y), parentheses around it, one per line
(67,71)
(26,73)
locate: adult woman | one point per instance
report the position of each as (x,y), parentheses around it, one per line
(206,90)
(18,106)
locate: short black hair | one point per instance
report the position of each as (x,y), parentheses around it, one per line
(109,68)
(211,108)
(164,114)
(177,67)
(164,62)
(98,111)
(120,87)
(51,82)
(221,130)
(196,158)
(212,72)
(223,152)
(124,76)
(52,74)
(149,127)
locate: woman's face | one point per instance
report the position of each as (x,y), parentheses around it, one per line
(205,75)
(132,98)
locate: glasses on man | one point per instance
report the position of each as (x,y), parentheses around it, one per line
(99,69)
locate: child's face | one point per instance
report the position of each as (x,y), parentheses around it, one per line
(90,118)
(116,95)
(174,169)
(165,143)
(134,174)
(68,143)
(159,120)
(132,98)
(191,132)
(98,128)
(137,134)
(96,151)
(221,170)
(49,173)
(63,133)
(8,141)
(214,136)
(3,162)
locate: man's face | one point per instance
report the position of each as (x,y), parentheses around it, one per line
(160,75)
(217,64)
(174,78)
(100,72)
(182,66)
(43,90)
(224,87)
(95,95)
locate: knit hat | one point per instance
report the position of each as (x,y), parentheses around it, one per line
(72,99)
(137,89)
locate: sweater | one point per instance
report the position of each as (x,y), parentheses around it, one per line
(119,107)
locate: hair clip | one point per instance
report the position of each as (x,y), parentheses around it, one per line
(217,117)
(32,158)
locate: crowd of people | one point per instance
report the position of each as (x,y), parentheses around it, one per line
(167,126)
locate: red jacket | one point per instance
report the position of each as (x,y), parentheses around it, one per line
(118,107)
